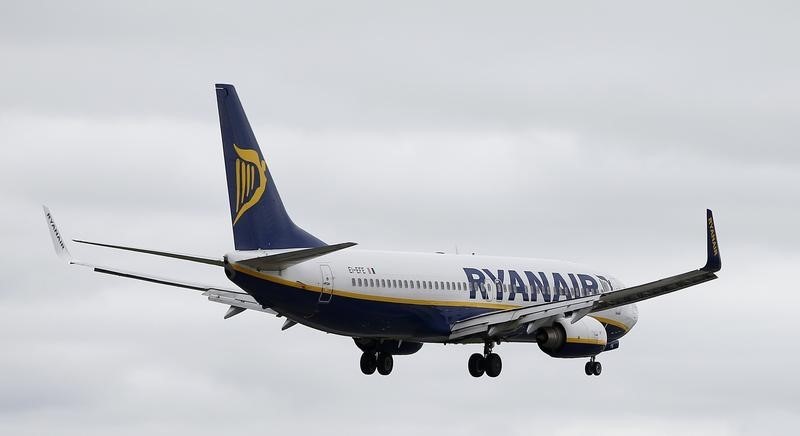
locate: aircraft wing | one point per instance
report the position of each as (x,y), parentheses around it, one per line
(496,324)
(237,299)
(271,262)
(670,284)
(181,256)
(231,297)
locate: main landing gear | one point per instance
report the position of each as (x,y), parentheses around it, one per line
(488,362)
(592,367)
(371,361)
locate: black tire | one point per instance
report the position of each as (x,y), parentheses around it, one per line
(597,368)
(368,363)
(475,364)
(589,368)
(385,363)
(493,365)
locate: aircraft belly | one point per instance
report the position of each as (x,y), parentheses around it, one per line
(355,316)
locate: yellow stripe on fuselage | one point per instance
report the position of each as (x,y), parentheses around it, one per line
(380,298)
(613,322)
(585,341)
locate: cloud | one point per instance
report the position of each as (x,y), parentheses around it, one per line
(595,133)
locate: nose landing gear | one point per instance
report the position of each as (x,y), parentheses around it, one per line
(593,367)
(487,363)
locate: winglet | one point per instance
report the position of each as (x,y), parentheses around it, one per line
(714,262)
(55,235)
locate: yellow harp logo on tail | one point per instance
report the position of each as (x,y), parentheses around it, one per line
(251,180)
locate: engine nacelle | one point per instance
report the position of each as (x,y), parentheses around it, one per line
(585,338)
(390,346)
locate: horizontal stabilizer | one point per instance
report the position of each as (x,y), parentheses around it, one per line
(189,257)
(281,261)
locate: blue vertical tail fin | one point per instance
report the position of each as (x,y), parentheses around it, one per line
(259,219)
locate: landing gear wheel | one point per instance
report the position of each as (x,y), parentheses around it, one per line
(385,363)
(593,367)
(493,365)
(476,365)
(368,363)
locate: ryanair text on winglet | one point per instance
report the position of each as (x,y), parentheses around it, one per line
(713,236)
(55,231)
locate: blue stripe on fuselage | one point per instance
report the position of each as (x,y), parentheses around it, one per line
(356,317)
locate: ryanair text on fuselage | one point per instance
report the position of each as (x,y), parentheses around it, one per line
(483,281)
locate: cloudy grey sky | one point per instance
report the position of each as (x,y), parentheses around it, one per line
(590,131)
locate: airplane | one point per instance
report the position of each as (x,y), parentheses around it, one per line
(391,303)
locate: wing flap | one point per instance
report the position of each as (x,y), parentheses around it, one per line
(503,321)
(236,299)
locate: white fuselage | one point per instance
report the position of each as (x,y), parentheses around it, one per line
(466,284)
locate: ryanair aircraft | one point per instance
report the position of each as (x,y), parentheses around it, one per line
(391,303)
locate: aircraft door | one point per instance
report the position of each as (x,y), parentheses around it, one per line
(326,283)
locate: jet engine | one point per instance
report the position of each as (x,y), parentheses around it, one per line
(585,338)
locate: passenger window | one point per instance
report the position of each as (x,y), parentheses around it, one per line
(436,285)
(371,283)
(417,284)
(424,286)
(383,283)
(354,281)
(448,285)
(458,286)
(441,285)
(394,283)
(405,283)
(359,282)
(412,283)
